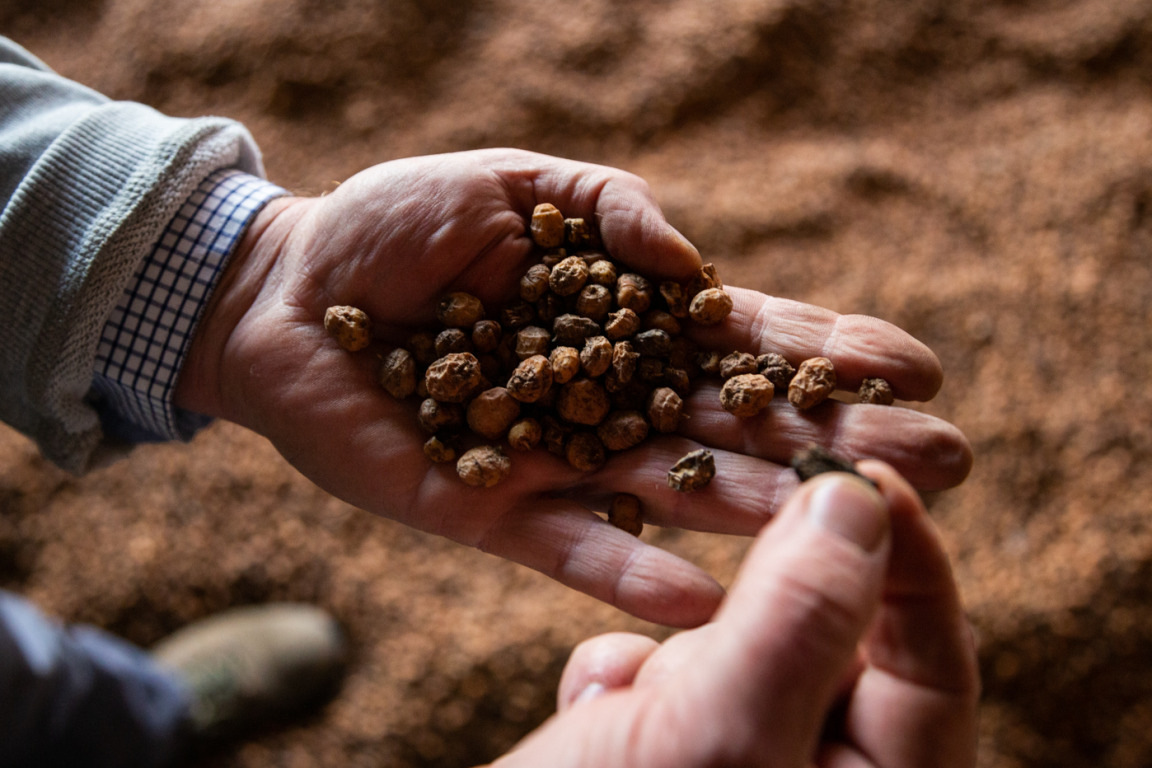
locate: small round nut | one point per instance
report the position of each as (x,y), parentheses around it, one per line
(569,276)
(664,409)
(596,357)
(746,394)
(692,472)
(438,451)
(525,434)
(492,412)
(565,364)
(452,340)
(814,382)
(583,401)
(397,373)
(349,326)
(710,306)
(736,364)
(435,416)
(547,226)
(531,379)
(633,292)
(459,310)
(534,283)
(486,335)
(776,369)
(585,452)
(602,272)
(674,299)
(483,466)
(594,301)
(532,340)
(453,378)
(626,514)
(621,324)
(876,391)
(622,430)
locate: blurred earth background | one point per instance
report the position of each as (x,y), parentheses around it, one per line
(976,172)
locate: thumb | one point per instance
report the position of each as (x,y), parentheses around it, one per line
(804,598)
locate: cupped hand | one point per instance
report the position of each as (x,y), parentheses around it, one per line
(393,240)
(842,645)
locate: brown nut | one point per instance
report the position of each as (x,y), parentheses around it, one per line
(814,382)
(653,343)
(776,369)
(624,360)
(876,391)
(517,315)
(565,364)
(583,401)
(664,409)
(531,379)
(585,452)
(422,345)
(492,412)
(483,466)
(577,233)
(459,310)
(486,335)
(594,301)
(596,357)
(547,226)
(568,277)
(622,430)
(397,373)
(692,472)
(452,340)
(438,451)
(572,330)
(435,416)
(736,364)
(602,272)
(633,292)
(746,394)
(705,277)
(532,340)
(621,324)
(534,283)
(453,378)
(674,299)
(525,434)
(710,306)
(661,320)
(349,326)
(626,514)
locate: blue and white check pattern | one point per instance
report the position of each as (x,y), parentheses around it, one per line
(143,344)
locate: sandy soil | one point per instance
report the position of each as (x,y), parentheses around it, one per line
(979,173)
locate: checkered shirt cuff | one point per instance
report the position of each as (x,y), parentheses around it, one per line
(143,344)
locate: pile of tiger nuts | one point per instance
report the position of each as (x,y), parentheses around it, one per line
(589,361)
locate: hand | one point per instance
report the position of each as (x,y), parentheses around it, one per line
(394,239)
(842,645)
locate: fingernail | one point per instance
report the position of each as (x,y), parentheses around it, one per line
(593,691)
(850,508)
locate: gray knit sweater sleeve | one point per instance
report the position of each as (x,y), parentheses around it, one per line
(87,187)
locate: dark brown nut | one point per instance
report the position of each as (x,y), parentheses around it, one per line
(549,308)
(736,364)
(876,392)
(814,382)
(674,299)
(483,466)
(452,340)
(664,409)
(453,378)
(776,369)
(706,277)
(506,351)
(602,272)
(349,326)
(534,283)
(577,233)
(582,401)
(594,301)
(710,306)
(709,362)
(532,340)
(525,434)
(746,394)
(692,472)
(596,357)
(552,258)
(422,345)
(486,335)
(459,310)
(531,379)
(565,364)
(568,277)
(626,514)
(632,396)
(633,292)
(650,370)
(815,460)
(555,434)
(438,451)
(573,330)
(661,320)
(492,412)
(677,378)
(435,416)
(585,452)
(653,343)
(397,373)
(547,226)
(621,324)
(624,360)
(683,355)
(517,315)
(622,430)
(590,258)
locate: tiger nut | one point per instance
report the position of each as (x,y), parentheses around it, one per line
(453,378)
(492,412)
(692,472)
(710,306)
(876,391)
(349,326)
(568,277)
(459,310)
(483,466)
(746,394)
(531,379)
(626,514)
(814,382)
(547,226)
(583,401)
(397,373)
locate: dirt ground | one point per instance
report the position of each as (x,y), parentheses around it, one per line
(979,173)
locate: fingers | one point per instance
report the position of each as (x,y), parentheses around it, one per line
(807,592)
(922,679)
(602,663)
(859,346)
